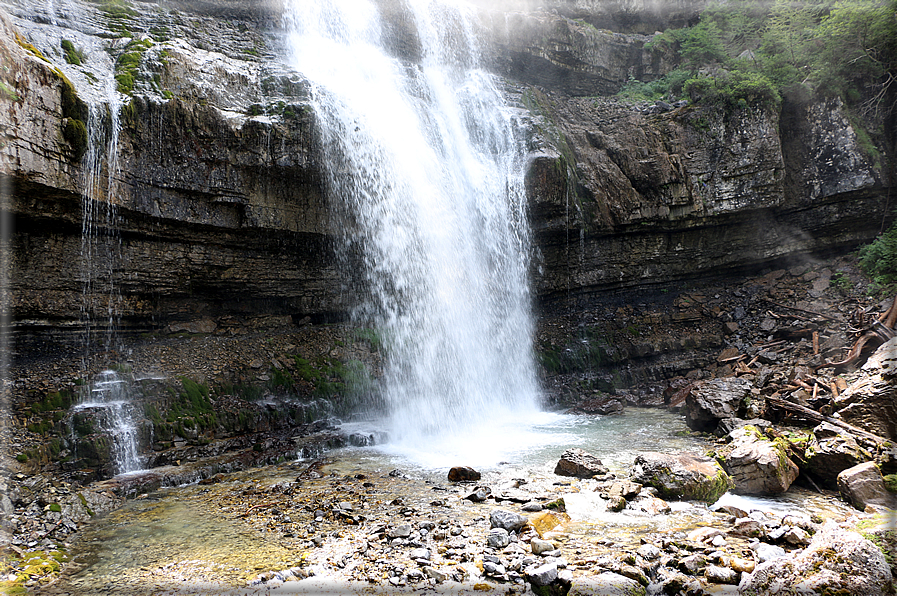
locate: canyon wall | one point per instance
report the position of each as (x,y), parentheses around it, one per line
(215,214)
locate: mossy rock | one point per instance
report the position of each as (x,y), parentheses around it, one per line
(75,134)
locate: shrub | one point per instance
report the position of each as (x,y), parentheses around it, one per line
(879,259)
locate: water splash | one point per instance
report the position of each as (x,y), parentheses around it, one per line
(110,395)
(425,168)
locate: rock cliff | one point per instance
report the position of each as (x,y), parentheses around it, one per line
(209,202)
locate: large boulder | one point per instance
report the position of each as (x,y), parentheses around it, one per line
(837,561)
(688,476)
(863,485)
(871,402)
(757,465)
(579,464)
(830,451)
(717,399)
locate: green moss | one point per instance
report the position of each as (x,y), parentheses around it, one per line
(75,134)
(30,47)
(56,507)
(891,482)
(21,458)
(72,55)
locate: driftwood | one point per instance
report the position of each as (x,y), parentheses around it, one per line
(803,310)
(879,332)
(817,417)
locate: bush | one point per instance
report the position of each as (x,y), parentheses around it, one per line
(879,259)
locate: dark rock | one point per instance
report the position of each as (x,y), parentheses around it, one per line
(579,464)
(830,452)
(507,520)
(709,402)
(463,474)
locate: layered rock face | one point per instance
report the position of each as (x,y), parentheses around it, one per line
(215,207)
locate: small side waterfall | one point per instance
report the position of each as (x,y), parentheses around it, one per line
(426,165)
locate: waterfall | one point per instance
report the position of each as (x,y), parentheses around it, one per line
(425,165)
(108,392)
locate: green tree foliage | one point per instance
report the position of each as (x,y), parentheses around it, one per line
(752,51)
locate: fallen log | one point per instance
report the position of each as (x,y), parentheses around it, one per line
(817,417)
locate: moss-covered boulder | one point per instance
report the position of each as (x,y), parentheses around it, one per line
(689,476)
(838,561)
(831,451)
(757,465)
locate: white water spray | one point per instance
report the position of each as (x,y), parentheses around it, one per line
(426,171)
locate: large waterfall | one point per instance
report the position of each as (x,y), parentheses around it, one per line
(425,166)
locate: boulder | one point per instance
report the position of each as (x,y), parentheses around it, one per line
(870,402)
(682,476)
(579,464)
(714,400)
(463,474)
(605,584)
(757,465)
(832,451)
(863,485)
(837,561)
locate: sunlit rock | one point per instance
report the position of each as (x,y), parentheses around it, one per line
(757,465)
(837,561)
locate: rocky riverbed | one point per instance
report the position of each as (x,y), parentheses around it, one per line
(346,526)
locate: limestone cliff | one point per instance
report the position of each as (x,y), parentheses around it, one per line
(213,206)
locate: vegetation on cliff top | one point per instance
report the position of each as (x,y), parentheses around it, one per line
(754,51)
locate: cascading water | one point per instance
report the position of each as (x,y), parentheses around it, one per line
(100,252)
(106,393)
(426,170)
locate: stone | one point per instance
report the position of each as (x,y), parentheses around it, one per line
(543,575)
(767,552)
(711,401)
(829,452)
(507,520)
(870,402)
(863,485)
(435,574)
(577,463)
(402,531)
(721,575)
(605,584)
(463,474)
(748,528)
(498,538)
(687,476)
(480,494)
(493,569)
(616,503)
(419,553)
(539,546)
(757,465)
(837,561)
